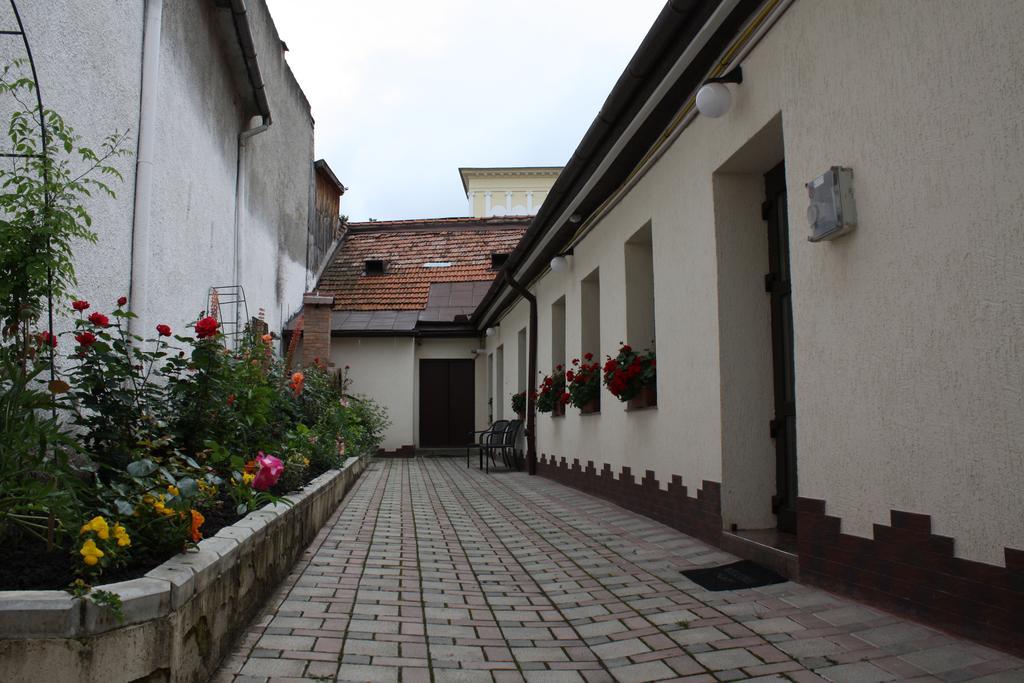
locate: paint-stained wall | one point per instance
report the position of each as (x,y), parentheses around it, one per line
(89,57)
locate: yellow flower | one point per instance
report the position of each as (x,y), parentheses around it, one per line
(305,461)
(99,525)
(90,553)
(123,539)
(247,478)
(173,490)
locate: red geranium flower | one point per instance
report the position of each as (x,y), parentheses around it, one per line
(80,305)
(85,338)
(588,356)
(99,320)
(207,327)
(163,330)
(121,301)
(46,337)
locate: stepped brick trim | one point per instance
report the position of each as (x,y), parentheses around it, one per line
(700,517)
(406,451)
(907,569)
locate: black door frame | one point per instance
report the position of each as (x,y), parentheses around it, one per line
(777,283)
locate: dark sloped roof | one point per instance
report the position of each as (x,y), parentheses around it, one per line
(406,247)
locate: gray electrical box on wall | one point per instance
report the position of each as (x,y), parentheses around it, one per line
(831,212)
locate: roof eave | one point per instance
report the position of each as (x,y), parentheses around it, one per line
(650,66)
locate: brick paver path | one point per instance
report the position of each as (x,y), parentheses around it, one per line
(433,572)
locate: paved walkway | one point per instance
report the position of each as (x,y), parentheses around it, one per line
(432,572)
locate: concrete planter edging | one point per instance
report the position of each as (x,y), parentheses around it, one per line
(182,617)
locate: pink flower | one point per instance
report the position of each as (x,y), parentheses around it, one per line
(270,471)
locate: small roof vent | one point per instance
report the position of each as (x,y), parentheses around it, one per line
(498,260)
(374,267)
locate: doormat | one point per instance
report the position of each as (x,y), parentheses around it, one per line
(735,576)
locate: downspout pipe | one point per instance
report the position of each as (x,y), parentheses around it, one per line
(243,32)
(138,279)
(240,187)
(531,400)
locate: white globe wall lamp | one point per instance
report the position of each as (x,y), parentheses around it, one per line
(714,97)
(559,263)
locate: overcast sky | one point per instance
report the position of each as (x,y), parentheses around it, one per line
(404,92)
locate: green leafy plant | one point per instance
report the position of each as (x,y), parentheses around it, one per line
(583,381)
(551,392)
(629,372)
(519,403)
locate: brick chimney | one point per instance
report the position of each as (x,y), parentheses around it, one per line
(316,327)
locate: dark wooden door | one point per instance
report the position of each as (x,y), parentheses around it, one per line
(777,282)
(446,402)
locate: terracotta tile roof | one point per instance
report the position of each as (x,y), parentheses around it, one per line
(405,247)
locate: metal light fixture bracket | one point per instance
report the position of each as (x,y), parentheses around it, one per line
(733,76)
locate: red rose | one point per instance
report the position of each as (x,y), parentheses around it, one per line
(99,320)
(163,330)
(46,337)
(121,301)
(80,305)
(207,327)
(85,338)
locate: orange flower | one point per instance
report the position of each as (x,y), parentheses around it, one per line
(298,377)
(197,521)
(267,338)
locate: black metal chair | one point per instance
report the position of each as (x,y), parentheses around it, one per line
(485,438)
(505,445)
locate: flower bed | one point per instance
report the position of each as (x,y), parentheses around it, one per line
(182,617)
(174,436)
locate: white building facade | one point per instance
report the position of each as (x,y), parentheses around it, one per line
(885,363)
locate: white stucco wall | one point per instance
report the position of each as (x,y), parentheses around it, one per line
(908,366)
(384,369)
(87,54)
(89,57)
(387,369)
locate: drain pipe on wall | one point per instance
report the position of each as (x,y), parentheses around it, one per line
(240,188)
(150,90)
(531,401)
(240,17)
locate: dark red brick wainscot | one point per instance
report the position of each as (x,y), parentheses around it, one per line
(907,569)
(700,517)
